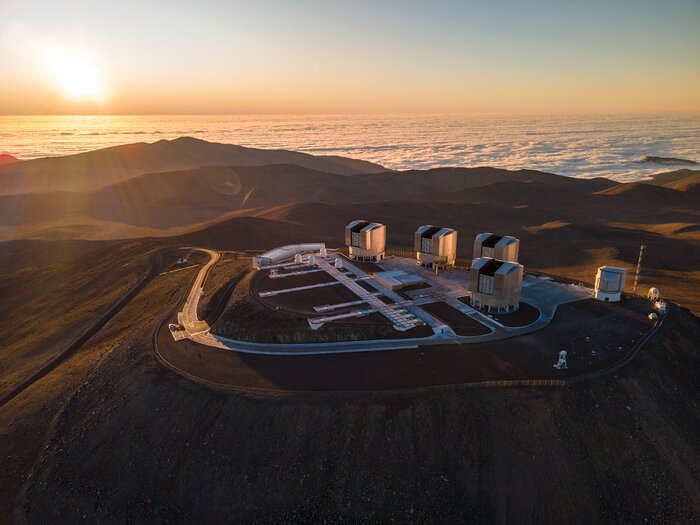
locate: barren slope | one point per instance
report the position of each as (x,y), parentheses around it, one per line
(96,169)
(112,436)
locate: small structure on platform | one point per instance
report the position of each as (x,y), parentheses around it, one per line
(609,284)
(654,294)
(495,285)
(435,247)
(562,364)
(284,253)
(397,279)
(366,241)
(501,247)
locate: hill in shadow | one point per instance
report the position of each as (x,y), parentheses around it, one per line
(99,168)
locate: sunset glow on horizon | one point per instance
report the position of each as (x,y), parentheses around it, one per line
(79,79)
(329,57)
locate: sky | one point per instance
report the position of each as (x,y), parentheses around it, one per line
(309,56)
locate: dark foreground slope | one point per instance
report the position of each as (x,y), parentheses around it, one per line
(111,436)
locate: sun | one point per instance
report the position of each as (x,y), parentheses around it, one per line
(77,78)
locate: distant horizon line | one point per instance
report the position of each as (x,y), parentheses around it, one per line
(363,114)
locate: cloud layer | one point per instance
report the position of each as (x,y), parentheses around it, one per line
(575,146)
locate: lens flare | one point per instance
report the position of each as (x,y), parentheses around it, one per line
(77,78)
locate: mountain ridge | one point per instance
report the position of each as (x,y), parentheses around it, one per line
(98,168)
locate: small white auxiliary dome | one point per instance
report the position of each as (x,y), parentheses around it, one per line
(338,262)
(297,258)
(609,284)
(312,260)
(323,252)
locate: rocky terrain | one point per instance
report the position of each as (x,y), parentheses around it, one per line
(112,436)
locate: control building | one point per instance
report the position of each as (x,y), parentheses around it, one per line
(501,247)
(366,241)
(435,247)
(285,253)
(495,285)
(609,283)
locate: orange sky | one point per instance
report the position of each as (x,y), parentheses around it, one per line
(325,57)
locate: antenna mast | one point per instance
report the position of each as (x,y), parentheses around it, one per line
(639,269)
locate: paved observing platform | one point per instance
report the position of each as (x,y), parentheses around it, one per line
(427,299)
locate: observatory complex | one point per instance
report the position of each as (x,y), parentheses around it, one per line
(366,241)
(609,283)
(501,247)
(402,294)
(435,247)
(307,299)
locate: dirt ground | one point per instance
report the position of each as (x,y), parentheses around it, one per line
(283,318)
(525,314)
(43,302)
(366,266)
(112,436)
(612,330)
(461,324)
(263,284)
(217,287)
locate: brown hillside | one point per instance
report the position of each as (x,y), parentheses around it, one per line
(96,169)
(682,180)
(6,158)
(568,226)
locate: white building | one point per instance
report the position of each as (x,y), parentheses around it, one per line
(397,279)
(609,283)
(366,241)
(435,247)
(495,285)
(501,247)
(284,253)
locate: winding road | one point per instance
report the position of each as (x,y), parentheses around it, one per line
(189,317)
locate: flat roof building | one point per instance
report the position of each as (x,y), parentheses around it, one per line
(609,283)
(501,247)
(366,241)
(284,253)
(435,247)
(397,279)
(495,285)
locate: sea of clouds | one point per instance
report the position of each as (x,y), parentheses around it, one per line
(608,146)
